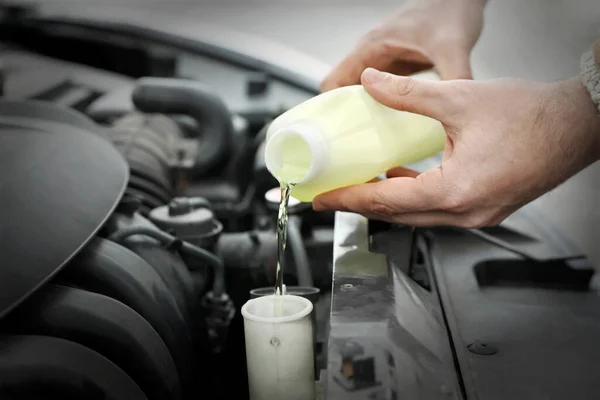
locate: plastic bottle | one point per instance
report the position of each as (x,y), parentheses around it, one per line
(344,137)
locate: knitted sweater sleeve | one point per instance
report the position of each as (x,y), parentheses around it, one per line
(590,73)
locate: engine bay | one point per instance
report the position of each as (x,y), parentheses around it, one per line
(189,214)
(187,173)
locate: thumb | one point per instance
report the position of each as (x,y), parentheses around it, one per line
(429,98)
(453,64)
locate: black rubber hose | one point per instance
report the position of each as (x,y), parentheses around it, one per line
(299,254)
(165,239)
(191,98)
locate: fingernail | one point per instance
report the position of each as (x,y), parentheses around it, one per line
(373,76)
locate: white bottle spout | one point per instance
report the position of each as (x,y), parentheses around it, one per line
(296,153)
(279,350)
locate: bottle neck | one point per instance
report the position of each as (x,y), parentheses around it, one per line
(297,153)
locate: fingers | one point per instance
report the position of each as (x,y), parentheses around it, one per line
(399,61)
(346,73)
(397,172)
(432,99)
(406,68)
(453,64)
(386,198)
(397,200)
(402,171)
(449,65)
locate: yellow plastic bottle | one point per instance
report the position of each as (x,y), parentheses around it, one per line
(344,137)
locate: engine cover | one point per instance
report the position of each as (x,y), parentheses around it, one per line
(58,184)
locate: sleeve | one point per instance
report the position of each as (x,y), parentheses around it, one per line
(590,73)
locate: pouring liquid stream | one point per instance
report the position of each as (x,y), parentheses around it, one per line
(282,227)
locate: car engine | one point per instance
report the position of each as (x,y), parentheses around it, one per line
(138,221)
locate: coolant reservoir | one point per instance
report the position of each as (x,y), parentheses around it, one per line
(279,349)
(344,137)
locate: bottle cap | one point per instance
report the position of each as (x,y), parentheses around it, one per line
(186,218)
(300,133)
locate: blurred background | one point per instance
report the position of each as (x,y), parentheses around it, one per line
(534,39)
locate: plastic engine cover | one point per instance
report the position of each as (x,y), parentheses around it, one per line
(58,184)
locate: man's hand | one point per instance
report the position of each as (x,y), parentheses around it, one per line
(509,142)
(423,34)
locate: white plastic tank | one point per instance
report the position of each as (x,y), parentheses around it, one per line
(279,350)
